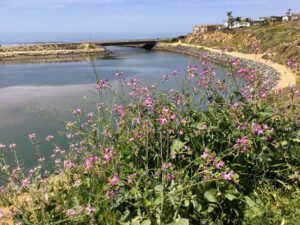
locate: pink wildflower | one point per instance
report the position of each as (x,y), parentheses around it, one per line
(136,121)
(261,129)
(12,146)
(228,176)
(68,164)
(166,77)
(149,103)
(119,75)
(205,154)
(162,121)
(257,129)
(121,111)
(169,177)
(1,214)
(243,144)
(102,84)
(173,117)
(90,115)
(89,162)
(131,178)
(77,112)
(26,182)
(77,183)
(114,180)
(110,194)
(166,166)
(165,110)
(71,213)
(219,164)
(32,137)
(2,146)
(175,73)
(108,154)
(90,210)
(49,138)
(235,62)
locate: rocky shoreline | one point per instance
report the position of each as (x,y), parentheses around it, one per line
(221,59)
(50,52)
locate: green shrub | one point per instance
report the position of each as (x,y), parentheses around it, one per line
(195,156)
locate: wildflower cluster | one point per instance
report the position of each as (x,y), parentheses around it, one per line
(176,157)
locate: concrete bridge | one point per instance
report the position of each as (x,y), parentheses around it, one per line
(139,43)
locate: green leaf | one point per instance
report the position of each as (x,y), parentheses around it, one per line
(157,201)
(254,208)
(210,195)
(180,222)
(197,206)
(250,202)
(296,140)
(134,222)
(147,203)
(159,188)
(211,207)
(230,197)
(146,222)
(177,145)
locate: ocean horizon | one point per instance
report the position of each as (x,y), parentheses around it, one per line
(27,38)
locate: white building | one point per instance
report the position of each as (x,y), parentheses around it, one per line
(206,28)
(286,18)
(237,24)
(295,16)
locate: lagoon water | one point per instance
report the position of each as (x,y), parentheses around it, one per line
(39,97)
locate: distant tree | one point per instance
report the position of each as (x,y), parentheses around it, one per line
(229,19)
(238,19)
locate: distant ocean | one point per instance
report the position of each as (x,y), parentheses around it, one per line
(26,38)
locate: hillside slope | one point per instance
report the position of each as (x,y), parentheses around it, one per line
(279,42)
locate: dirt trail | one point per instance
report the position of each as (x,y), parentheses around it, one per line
(287,77)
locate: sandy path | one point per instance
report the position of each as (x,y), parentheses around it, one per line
(287,77)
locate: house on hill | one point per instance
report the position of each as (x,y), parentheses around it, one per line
(275,18)
(295,17)
(258,22)
(206,28)
(286,18)
(238,22)
(271,18)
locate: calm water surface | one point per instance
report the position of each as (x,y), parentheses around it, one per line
(39,97)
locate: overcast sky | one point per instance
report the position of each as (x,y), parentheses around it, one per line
(127,16)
